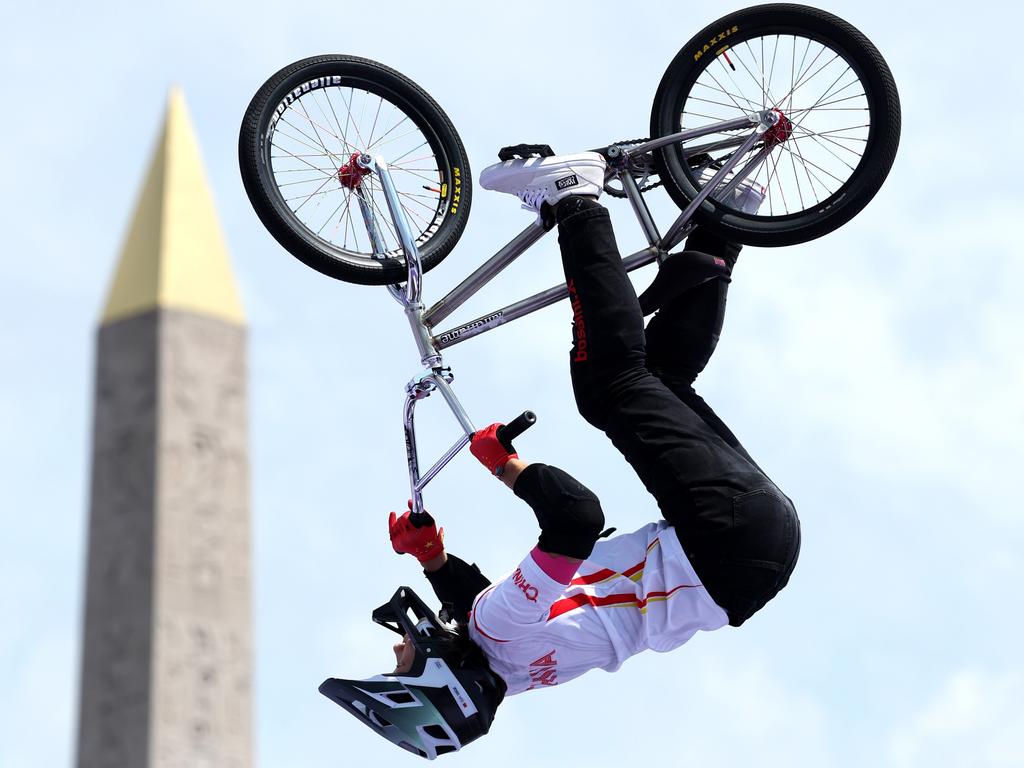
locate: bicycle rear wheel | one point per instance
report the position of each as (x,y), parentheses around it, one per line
(837,135)
(297,148)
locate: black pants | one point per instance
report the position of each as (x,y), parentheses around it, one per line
(739,530)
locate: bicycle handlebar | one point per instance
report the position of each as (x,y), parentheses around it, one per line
(509,432)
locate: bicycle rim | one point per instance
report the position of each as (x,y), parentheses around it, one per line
(315,133)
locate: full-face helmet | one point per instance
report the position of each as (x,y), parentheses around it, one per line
(441,704)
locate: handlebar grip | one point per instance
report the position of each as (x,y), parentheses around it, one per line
(509,432)
(421,519)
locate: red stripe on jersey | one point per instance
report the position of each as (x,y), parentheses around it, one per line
(593,578)
(627,599)
(607,573)
(638,567)
(567,604)
(664,595)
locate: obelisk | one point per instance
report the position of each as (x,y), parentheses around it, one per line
(166,653)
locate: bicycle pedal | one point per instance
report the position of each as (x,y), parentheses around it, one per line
(524,151)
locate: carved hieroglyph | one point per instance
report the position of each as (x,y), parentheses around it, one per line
(201,644)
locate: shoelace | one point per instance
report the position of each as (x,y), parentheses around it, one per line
(532,199)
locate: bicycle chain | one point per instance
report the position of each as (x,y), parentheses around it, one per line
(646,187)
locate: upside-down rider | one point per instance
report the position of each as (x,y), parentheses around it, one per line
(726,546)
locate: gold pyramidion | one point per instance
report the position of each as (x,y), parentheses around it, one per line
(174,256)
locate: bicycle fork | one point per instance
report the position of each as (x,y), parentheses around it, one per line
(439,377)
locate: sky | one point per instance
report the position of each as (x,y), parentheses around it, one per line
(874,373)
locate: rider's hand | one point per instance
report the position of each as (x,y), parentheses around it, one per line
(488,449)
(424,542)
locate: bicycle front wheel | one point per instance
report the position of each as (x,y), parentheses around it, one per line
(297,150)
(836,139)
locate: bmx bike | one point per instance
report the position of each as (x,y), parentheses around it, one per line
(774,125)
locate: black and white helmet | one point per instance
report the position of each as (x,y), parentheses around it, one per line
(441,704)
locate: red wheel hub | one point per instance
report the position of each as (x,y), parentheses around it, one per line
(351,173)
(779,132)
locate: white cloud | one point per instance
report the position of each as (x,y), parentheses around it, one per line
(975,719)
(891,340)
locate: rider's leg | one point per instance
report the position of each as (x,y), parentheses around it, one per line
(615,391)
(700,482)
(682,336)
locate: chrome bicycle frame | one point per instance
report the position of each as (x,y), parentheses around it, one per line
(423,321)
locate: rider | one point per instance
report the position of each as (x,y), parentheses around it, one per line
(728,541)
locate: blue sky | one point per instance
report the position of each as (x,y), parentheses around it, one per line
(875,373)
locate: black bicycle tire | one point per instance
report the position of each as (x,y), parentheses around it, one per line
(421,108)
(853,195)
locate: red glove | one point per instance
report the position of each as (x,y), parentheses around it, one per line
(488,449)
(424,542)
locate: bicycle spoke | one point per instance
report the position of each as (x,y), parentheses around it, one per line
(807,169)
(799,191)
(838,130)
(817,141)
(287,135)
(315,131)
(782,192)
(733,81)
(348,221)
(306,162)
(396,138)
(709,101)
(812,164)
(389,130)
(297,154)
(373,128)
(824,106)
(816,73)
(729,93)
(761,84)
(808,165)
(829,89)
(348,104)
(836,143)
(331,216)
(341,131)
(308,197)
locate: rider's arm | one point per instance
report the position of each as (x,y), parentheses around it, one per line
(568,512)
(455,582)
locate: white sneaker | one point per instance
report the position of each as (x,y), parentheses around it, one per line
(539,180)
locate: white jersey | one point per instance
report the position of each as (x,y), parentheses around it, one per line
(635,592)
